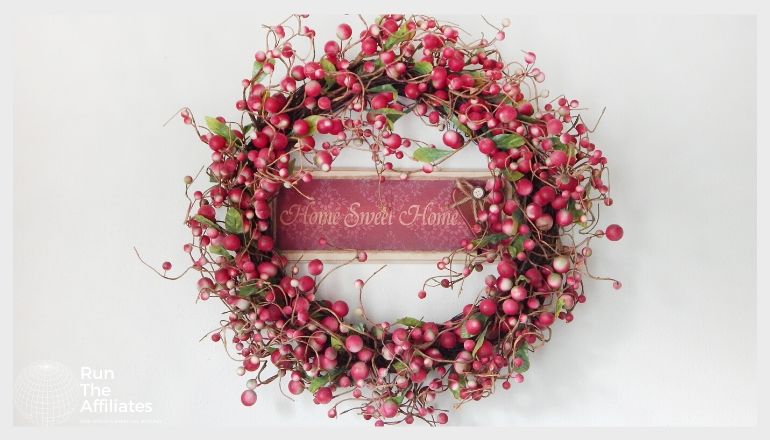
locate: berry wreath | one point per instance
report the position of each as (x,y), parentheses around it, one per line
(536,219)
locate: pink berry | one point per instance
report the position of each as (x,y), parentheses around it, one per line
(249,397)
(557,158)
(519,293)
(359,371)
(453,139)
(473,326)
(231,242)
(344,31)
(296,387)
(545,319)
(217,142)
(389,409)
(506,113)
(315,267)
(487,146)
(524,187)
(301,127)
(554,127)
(354,343)
(340,308)
(323,395)
(614,232)
(564,218)
(306,284)
(510,307)
(488,307)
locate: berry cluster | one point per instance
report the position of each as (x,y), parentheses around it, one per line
(536,220)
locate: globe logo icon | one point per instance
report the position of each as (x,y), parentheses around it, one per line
(46,393)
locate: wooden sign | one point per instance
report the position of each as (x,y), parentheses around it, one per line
(417,219)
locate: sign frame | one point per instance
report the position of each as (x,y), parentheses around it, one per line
(376,256)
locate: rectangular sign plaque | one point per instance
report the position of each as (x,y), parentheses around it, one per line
(394,219)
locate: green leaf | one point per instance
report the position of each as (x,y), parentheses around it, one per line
(391,114)
(509,141)
(336,343)
(423,67)
(489,239)
(429,155)
(402,34)
(501,98)
(204,221)
(528,119)
(328,66)
(479,342)
(400,366)
(479,77)
(318,382)
(512,175)
(312,122)
(559,306)
(522,353)
(410,322)
(257,71)
(234,221)
(559,145)
(330,70)
(359,327)
(576,212)
(517,245)
(462,382)
(247,290)
(460,126)
(456,122)
(220,128)
(219,250)
(399,399)
(384,88)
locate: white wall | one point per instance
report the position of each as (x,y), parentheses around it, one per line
(95,174)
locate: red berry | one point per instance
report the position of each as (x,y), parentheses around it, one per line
(300,127)
(249,397)
(231,242)
(217,142)
(315,267)
(510,307)
(306,284)
(354,343)
(488,307)
(546,319)
(473,326)
(453,139)
(340,308)
(344,31)
(614,232)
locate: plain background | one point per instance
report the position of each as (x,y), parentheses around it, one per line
(95,174)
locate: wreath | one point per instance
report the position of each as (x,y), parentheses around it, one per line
(534,218)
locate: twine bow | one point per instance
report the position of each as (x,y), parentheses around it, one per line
(468,196)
